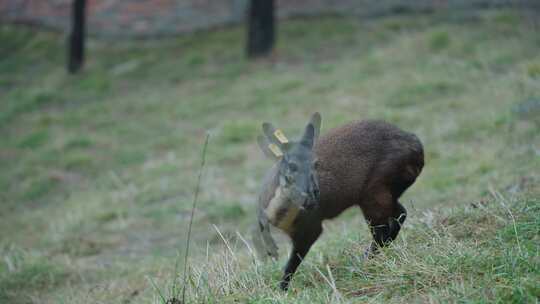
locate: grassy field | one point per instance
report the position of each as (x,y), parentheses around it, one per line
(98,170)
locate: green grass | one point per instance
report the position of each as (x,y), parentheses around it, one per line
(98,169)
(25,277)
(478,253)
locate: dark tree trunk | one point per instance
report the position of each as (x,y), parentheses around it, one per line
(261,32)
(77,36)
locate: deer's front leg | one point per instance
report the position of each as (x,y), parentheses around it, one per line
(301,245)
(263,240)
(270,244)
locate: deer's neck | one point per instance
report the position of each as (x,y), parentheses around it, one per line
(281,212)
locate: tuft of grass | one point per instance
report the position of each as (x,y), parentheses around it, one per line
(38,187)
(78,143)
(506,18)
(418,93)
(79,161)
(97,82)
(533,70)
(130,157)
(34,140)
(236,132)
(24,101)
(226,212)
(27,276)
(439,40)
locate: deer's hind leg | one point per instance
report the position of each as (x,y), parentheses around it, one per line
(385,216)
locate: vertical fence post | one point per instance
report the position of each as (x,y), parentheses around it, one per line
(77,36)
(260,28)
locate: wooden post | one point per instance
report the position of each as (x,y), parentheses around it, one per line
(77,36)
(260,28)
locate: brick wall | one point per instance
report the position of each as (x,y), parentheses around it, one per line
(163,17)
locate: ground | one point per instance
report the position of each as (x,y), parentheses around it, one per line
(98,169)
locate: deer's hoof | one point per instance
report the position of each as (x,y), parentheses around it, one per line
(369,252)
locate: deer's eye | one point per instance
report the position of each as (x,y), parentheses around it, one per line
(289,179)
(293,167)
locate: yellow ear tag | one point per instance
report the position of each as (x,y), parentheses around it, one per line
(280,136)
(276,150)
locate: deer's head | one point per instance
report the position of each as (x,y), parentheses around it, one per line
(297,164)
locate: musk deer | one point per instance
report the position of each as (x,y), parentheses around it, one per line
(368,164)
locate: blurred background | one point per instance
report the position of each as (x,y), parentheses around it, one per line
(104,106)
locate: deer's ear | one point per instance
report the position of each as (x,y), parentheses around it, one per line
(268,131)
(316,122)
(309,136)
(274,135)
(269,149)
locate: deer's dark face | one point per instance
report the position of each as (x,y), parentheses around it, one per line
(297,166)
(298,175)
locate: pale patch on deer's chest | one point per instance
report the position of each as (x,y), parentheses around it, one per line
(280,212)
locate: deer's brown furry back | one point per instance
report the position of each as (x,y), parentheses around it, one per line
(362,155)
